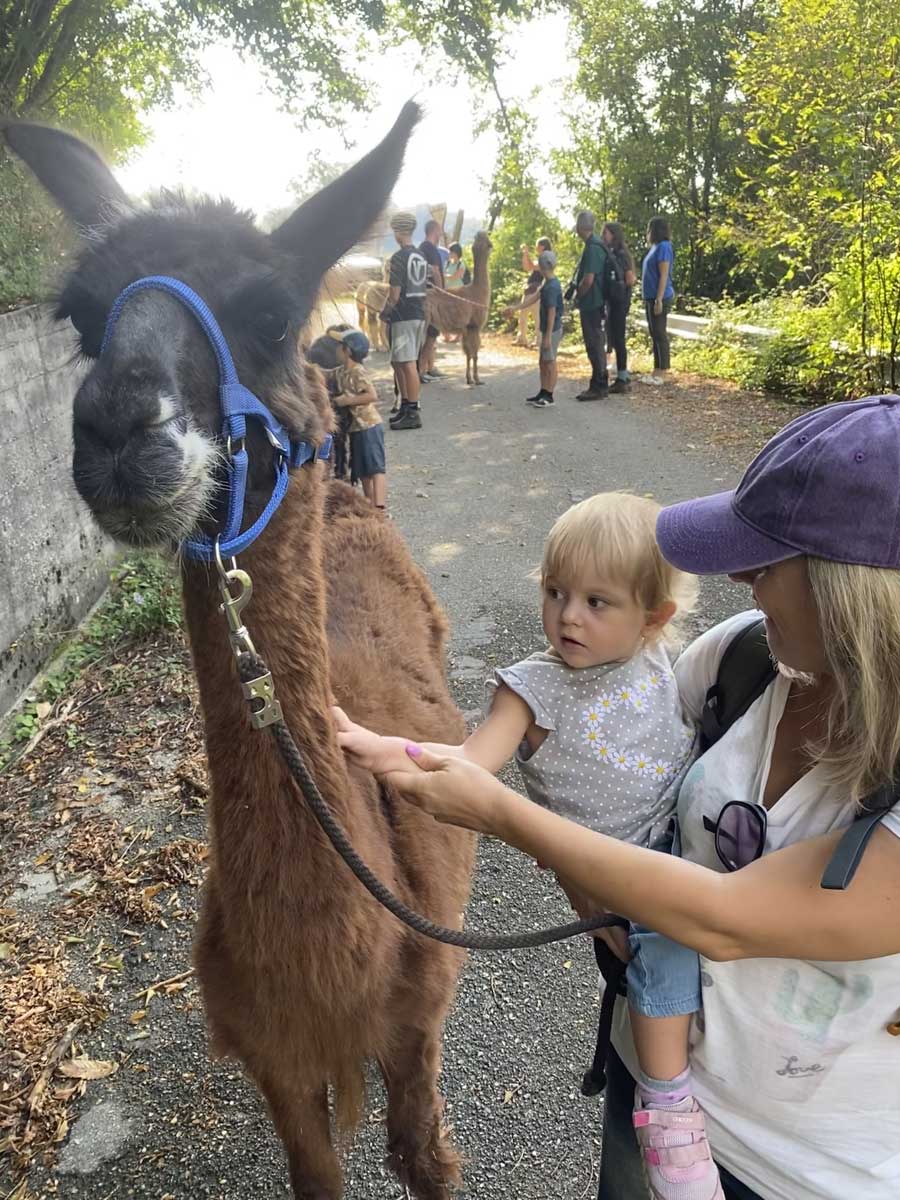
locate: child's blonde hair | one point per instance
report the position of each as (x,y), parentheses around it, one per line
(613,535)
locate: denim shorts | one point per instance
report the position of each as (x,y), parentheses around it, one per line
(367,453)
(663,977)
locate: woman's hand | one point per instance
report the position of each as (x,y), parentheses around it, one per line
(657,308)
(370,750)
(452,790)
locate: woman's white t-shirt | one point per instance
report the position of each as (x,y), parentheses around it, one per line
(792,1062)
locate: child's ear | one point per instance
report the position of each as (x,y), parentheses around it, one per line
(659,617)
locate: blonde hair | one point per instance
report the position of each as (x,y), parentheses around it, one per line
(613,534)
(859,620)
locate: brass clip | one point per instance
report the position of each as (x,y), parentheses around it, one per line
(233,605)
(262,689)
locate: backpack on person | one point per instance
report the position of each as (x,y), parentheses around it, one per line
(746,670)
(616,287)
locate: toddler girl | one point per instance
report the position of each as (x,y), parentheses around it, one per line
(596,726)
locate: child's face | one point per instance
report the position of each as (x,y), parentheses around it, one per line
(591,621)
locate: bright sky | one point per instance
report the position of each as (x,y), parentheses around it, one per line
(234,142)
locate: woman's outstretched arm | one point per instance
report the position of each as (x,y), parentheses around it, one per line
(773,908)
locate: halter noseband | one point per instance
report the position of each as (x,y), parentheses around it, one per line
(238,403)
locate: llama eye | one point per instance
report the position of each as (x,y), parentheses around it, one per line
(89,323)
(272,326)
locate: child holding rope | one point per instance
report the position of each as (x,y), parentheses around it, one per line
(597,729)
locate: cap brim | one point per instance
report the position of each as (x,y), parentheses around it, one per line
(707,537)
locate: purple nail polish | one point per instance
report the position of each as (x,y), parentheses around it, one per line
(413,750)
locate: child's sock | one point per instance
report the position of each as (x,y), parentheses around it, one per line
(665,1093)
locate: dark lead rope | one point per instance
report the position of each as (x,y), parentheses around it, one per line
(251,666)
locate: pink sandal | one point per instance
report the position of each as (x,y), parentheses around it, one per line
(676,1154)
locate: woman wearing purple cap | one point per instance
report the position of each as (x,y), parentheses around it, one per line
(796,1058)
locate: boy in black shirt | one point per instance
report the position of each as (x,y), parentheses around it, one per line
(405,315)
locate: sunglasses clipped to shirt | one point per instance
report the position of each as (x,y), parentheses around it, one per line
(740,837)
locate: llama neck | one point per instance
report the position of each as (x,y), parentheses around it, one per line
(480,271)
(286,617)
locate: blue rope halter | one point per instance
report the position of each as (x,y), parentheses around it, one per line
(238,403)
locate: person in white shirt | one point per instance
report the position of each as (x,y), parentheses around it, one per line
(795,1058)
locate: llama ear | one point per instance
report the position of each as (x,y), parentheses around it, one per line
(328,224)
(74,174)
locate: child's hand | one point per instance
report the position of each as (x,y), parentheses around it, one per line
(369,750)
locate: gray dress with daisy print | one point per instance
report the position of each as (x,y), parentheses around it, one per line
(617,742)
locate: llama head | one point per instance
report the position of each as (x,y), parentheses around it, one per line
(147,424)
(481,245)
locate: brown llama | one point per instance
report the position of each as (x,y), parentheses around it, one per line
(304,977)
(371,297)
(466,310)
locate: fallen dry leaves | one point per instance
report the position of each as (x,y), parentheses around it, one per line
(135,746)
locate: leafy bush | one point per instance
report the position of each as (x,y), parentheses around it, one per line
(816,352)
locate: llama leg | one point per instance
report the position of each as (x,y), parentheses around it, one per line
(301,1121)
(476,346)
(420,1150)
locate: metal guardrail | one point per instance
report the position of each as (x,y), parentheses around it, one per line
(692,328)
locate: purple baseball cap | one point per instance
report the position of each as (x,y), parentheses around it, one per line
(827,485)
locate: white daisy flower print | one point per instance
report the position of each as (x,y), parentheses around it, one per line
(642,687)
(590,738)
(654,680)
(638,702)
(604,751)
(643,765)
(624,694)
(592,716)
(660,769)
(622,760)
(606,702)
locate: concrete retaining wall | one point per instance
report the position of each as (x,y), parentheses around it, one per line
(53,561)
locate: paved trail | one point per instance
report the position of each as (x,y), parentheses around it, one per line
(475,492)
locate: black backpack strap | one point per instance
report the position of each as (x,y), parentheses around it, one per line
(746,670)
(838,875)
(613,971)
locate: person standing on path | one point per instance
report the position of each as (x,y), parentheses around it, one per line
(590,300)
(405,315)
(532,287)
(429,251)
(658,292)
(618,302)
(550,298)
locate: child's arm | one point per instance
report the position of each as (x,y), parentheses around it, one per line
(551,319)
(531,298)
(491,745)
(352,399)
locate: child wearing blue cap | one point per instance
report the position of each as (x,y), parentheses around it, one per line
(355,391)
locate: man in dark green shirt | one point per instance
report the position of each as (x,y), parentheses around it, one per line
(590,299)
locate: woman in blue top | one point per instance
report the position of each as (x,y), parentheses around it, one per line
(658,291)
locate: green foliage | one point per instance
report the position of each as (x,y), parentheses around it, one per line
(656,117)
(33,241)
(814,354)
(820,165)
(143,603)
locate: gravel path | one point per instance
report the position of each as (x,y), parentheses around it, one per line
(475,492)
